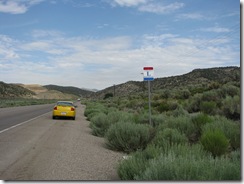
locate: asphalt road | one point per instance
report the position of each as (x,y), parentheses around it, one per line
(15,115)
(40,148)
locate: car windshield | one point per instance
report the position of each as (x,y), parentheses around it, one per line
(65,103)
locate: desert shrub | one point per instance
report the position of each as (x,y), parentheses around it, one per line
(229,90)
(193,104)
(142,118)
(99,124)
(230,128)
(134,104)
(211,95)
(165,94)
(186,168)
(231,107)
(183,94)
(214,85)
(215,142)
(170,136)
(199,121)
(157,119)
(181,123)
(116,116)
(164,105)
(179,162)
(93,109)
(235,155)
(127,137)
(108,95)
(137,163)
(208,107)
(200,88)
(179,111)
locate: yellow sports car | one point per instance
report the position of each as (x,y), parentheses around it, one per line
(64,109)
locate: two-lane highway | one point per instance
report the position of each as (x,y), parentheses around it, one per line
(13,116)
(41,148)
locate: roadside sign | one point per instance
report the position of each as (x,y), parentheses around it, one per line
(148,74)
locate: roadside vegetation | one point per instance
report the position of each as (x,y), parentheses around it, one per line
(195,132)
(14,102)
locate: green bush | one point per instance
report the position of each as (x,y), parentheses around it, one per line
(215,142)
(137,162)
(99,124)
(179,111)
(127,137)
(208,107)
(232,107)
(199,121)
(142,118)
(193,104)
(183,168)
(181,123)
(229,90)
(211,95)
(231,129)
(170,136)
(93,109)
(183,94)
(108,95)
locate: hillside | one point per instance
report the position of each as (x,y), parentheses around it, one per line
(37,91)
(14,91)
(195,77)
(70,90)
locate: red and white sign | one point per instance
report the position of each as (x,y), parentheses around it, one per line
(148,73)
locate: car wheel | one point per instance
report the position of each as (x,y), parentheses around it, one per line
(73,118)
(54,117)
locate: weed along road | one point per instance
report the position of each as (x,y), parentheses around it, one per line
(45,149)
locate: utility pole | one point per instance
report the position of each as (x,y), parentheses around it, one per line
(114,90)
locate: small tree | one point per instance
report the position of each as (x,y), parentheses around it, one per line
(108,95)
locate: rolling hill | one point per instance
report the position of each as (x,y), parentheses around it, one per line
(70,90)
(195,77)
(37,91)
(14,91)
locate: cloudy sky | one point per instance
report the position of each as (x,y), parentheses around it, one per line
(99,43)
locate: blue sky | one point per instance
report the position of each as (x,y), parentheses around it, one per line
(99,43)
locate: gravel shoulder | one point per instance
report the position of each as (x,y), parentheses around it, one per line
(60,149)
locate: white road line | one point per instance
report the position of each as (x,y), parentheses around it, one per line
(22,123)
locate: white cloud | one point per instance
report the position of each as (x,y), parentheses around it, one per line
(17,6)
(6,50)
(127,3)
(45,33)
(147,5)
(193,16)
(100,63)
(216,29)
(160,8)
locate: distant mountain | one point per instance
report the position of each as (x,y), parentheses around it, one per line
(14,91)
(70,90)
(41,92)
(195,77)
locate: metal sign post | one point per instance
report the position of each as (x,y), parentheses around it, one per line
(148,76)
